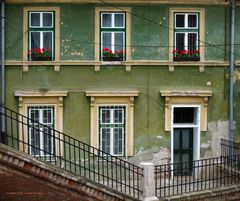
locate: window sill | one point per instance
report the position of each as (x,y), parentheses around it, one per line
(186,59)
(128,64)
(237,63)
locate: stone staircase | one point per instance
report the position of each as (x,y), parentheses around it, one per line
(23,177)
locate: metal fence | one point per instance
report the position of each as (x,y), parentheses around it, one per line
(229,148)
(49,145)
(179,178)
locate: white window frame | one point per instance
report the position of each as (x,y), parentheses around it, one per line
(41,134)
(186,20)
(41,20)
(113,20)
(196,135)
(124,141)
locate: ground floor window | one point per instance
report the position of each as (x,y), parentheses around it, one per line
(112,129)
(112,121)
(41,125)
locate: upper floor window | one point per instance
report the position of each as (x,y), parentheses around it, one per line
(41,34)
(113,34)
(186,37)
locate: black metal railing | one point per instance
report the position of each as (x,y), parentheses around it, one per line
(52,146)
(179,178)
(229,148)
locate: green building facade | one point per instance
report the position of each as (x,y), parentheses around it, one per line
(146,104)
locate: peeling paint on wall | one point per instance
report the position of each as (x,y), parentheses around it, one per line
(162,156)
(218,130)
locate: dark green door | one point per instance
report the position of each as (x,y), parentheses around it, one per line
(183,151)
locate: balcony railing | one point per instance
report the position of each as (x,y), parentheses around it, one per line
(52,146)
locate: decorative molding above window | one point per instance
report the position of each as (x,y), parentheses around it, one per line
(40,96)
(186,98)
(113,98)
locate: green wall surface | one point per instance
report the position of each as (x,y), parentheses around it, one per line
(149,41)
(149,31)
(149,105)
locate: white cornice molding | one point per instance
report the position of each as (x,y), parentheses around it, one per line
(116,93)
(190,2)
(42,93)
(186,93)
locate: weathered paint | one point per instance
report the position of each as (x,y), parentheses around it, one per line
(149,42)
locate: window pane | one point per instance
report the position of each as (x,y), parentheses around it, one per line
(34,141)
(47,19)
(106,20)
(118,116)
(47,140)
(192,20)
(106,116)
(106,140)
(119,20)
(185,138)
(180,41)
(118,141)
(106,40)
(183,115)
(34,115)
(35,39)
(176,138)
(47,116)
(119,40)
(35,19)
(192,41)
(180,20)
(47,40)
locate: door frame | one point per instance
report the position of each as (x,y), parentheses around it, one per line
(196,134)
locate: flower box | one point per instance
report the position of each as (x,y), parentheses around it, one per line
(41,58)
(38,54)
(112,58)
(186,59)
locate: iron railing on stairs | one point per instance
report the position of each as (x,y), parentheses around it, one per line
(178,178)
(52,146)
(198,175)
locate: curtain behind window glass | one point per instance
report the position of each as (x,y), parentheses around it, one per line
(192,20)
(118,41)
(118,20)
(35,40)
(47,19)
(192,41)
(106,20)
(47,40)
(180,41)
(180,20)
(35,19)
(106,40)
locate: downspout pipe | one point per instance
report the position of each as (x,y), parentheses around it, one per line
(231,89)
(3,125)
